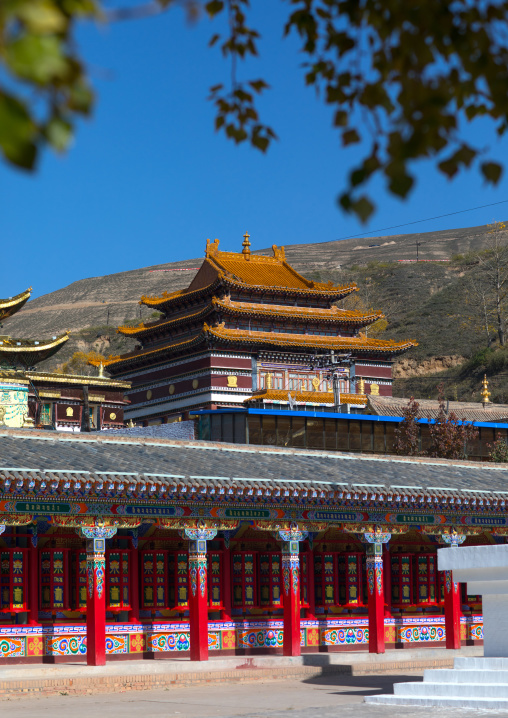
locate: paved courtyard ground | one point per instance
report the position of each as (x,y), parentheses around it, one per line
(331,696)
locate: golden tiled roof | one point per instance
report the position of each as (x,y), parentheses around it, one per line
(142,328)
(312,397)
(166,297)
(243,270)
(10,306)
(260,270)
(113,361)
(293,341)
(354,344)
(334,314)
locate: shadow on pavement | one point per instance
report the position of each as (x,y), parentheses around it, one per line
(371,684)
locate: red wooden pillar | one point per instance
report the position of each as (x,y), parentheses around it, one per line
(33,584)
(452,610)
(226,585)
(96,592)
(376,599)
(134,585)
(198,594)
(387,581)
(311,611)
(291,579)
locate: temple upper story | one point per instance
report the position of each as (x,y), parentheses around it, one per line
(223,305)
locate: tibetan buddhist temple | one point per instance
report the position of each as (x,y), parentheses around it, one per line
(51,400)
(247,331)
(117,547)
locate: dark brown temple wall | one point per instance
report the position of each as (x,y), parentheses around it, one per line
(187,385)
(204,362)
(380,372)
(231,362)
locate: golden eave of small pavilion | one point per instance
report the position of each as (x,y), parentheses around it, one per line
(8,345)
(10,306)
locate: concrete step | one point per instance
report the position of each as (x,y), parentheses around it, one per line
(480,663)
(439,701)
(452,675)
(458,690)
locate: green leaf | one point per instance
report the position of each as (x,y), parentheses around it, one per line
(260,142)
(59,133)
(363,208)
(449,167)
(38,59)
(340,119)
(42,17)
(492,171)
(401,183)
(80,97)
(258,85)
(350,137)
(18,133)
(345,202)
(214,7)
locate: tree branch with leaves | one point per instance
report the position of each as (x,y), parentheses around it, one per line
(403,79)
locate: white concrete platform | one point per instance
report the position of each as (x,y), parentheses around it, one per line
(473,683)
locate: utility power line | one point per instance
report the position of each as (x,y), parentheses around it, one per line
(418,221)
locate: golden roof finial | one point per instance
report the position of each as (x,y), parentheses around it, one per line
(485,390)
(268,381)
(361,386)
(246,245)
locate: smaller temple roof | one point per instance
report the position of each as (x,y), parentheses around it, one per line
(467,410)
(144,329)
(10,306)
(304,397)
(28,352)
(334,314)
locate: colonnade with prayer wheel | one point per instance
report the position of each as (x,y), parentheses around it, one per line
(94,589)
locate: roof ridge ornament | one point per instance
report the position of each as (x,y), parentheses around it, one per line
(212,248)
(246,246)
(279,253)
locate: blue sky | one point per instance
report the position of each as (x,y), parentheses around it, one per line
(148,179)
